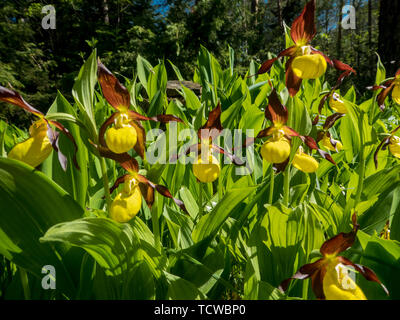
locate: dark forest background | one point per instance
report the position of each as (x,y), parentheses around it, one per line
(39,62)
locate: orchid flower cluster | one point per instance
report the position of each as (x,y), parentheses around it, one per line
(122,134)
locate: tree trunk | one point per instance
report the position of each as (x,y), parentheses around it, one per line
(339,38)
(105,11)
(327,21)
(254,11)
(357,7)
(370,23)
(254,6)
(389,33)
(371,56)
(280,19)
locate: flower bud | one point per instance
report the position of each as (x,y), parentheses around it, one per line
(127,203)
(337,284)
(337,104)
(309,66)
(206,172)
(36,149)
(305,162)
(276,150)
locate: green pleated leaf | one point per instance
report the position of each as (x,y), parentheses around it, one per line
(115,246)
(83,91)
(143,71)
(30,203)
(73,180)
(181,289)
(192,102)
(210,223)
(383,257)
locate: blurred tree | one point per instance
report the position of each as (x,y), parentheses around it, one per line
(389,30)
(38,61)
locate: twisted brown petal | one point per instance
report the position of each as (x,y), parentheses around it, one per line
(384,143)
(163,191)
(70,137)
(293,82)
(304,272)
(118,182)
(54,140)
(280,167)
(190,149)
(124,159)
(276,111)
(365,271)
(341,242)
(140,146)
(339,65)
(327,59)
(13,97)
(148,194)
(330,121)
(312,144)
(237,161)
(213,124)
(382,96)
(266,66)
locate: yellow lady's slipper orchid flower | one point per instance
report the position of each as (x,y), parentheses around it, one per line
(394,146)
(276,149)
(396,90)
(327,144)
(304,162)
(208,170)
(309,66)
(42,139)
(122,137)
(329,274)
(338,285)
(388,86)
(127,132)
(337,104)
(305,62)
(36,149)
(127,203)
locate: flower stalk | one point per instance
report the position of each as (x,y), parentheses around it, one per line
(200,201)
(105,182)
(361,171)
(286,186)
(156,227)
(271,185)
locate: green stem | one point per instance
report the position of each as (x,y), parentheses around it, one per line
(373,109)
(271,185)
(156,227)
(361,171)
(286,186)
(305,289)
(200,204)
(220,194)
(25,284)
(105,182)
